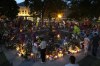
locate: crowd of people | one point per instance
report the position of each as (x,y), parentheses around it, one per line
(25,31)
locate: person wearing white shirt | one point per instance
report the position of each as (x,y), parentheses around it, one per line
(35,50)
(72,61)
(43,44)
(86,45)
(43,50)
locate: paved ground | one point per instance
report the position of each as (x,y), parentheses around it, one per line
(59,62)
(18,61)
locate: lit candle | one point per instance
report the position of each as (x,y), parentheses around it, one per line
(32,54)
(60,55)
(55,57)
(17,48)
(19,54)
(21,30)
(58,36)
(47,56)
(60,51)
(76,50)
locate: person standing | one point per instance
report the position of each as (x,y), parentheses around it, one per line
(86,45)
(72,60)
(43,50)
(35,49)
(95,44)
(76,30)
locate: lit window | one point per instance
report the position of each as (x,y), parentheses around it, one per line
(23,12)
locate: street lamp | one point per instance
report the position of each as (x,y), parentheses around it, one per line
(60,16)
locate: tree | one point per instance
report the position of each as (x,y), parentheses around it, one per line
(85,8)
(46,7)
(9,8)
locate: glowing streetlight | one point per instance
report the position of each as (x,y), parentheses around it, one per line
(59,16)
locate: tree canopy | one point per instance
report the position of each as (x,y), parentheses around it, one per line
(85,8)
(9,8)
(47,7)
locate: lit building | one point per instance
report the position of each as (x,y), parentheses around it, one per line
(24,12)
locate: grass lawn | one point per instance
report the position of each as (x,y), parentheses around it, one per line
(3,60)
(89,61)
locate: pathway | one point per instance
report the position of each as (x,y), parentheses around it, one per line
(18,61)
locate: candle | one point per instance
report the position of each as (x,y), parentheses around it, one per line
(60,55)
(21,30)
(17,48)
(47,56)
(19,54)
(32,54)
(55,57)
(58,36)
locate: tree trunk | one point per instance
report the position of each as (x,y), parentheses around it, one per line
(50,26)
(42,17)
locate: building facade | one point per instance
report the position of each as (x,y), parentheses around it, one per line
(24,12)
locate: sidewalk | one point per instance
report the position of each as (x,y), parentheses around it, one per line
(60,61)
(18,61)
(12,57)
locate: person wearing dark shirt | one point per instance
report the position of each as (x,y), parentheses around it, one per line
(72,60)
(95,44)
(43,50)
